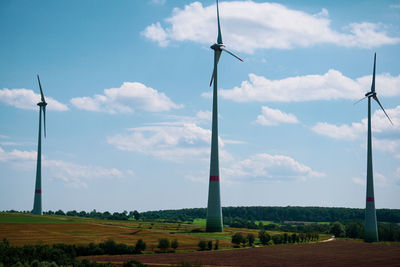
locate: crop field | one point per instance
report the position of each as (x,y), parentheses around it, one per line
(334,253)
(21,229)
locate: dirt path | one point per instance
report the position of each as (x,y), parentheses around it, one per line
(333,253)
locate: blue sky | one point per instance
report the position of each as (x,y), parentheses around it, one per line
(129,107)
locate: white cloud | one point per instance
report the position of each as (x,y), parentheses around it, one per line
(27,99)
(329,86)
(175,141)
(76,175)
(386,137)
(17,155)
(272,116)
(125,99)
(380,125)
(72,174)
(157,34)
(247,26)
(204,115)
(347,132)
(270,167)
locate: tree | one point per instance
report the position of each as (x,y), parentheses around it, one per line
(202,244)
(174,244)
(285,238)
(277,239)
(216,245)
(140,246)
(136,215)
(264,237)
(353,230)
(163,244)
(209,245)
(237,238)
(250,239)
(337,229)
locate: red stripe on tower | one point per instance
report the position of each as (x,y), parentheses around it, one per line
(370,199)
(214,178)
(38,191)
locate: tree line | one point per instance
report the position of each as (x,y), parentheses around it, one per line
(64,254)
(276,214)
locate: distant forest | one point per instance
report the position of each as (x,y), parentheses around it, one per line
(275,214)
(244,214)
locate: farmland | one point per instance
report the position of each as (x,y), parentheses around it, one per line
(22,229)
(335,253)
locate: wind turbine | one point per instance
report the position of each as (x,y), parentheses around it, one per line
(37,204)
(370,228)
(214,211)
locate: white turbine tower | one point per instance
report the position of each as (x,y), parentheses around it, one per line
(214,211)
(370,228)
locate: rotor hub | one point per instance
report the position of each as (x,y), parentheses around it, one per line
(42,104)
(217,47)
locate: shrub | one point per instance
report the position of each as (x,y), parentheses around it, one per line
(264,237)
(237,239)
(250,239)
(216,246)
(277,239)
(209,245)
(140,246)
(163,244)
(202,244)
(174,244)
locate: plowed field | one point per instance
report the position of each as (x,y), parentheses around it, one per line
(334,253)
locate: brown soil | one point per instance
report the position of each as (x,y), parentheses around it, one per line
(335,253)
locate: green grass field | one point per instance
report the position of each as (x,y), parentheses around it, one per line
(29,218)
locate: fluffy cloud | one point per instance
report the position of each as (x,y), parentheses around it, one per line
(72,174)
(175,141)
(329,86)
(247,26)
(27,99)
(386,136)
(380,126)
(274,167)
(125,99)
(272,116)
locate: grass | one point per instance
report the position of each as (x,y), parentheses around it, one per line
(200,222)
(29,218)
(23,228)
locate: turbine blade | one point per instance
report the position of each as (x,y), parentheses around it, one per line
(229,52)
(212,76)
(44,120)
(377,100)
(359,100)
(41,91)
(373,76)
(219,39)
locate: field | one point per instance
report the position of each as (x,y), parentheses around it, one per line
(21,229)
(334,253)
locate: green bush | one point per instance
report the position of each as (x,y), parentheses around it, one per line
(202,244)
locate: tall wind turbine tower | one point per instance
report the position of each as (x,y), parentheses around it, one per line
(37,203)
(370,228)
(214,211)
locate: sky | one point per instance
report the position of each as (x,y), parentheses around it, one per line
(129,103)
